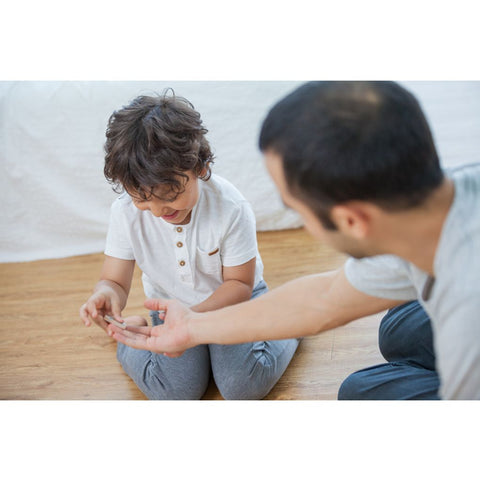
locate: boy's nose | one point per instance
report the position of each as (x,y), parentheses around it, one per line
(156,210)
(160,211)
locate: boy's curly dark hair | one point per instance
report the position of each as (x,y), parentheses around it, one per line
(153,141)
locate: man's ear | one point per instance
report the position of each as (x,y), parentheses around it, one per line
(352,219)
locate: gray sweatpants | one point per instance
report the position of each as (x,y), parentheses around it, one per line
(241,372)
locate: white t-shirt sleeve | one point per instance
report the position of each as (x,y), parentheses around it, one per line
(118,243)
(383,276)
(240,241)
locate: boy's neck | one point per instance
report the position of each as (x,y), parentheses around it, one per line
(187,219)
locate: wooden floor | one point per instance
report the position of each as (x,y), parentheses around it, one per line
(46,353)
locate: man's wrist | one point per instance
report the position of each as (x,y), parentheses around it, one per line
(193,320)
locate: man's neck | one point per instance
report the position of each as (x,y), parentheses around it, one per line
(415,234)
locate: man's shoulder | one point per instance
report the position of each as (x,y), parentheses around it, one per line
(461,231)
(384,276)
(390,262)
(467,177)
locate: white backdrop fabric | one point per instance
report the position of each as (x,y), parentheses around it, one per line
(55,201)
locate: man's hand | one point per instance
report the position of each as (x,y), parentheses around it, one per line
(172,338)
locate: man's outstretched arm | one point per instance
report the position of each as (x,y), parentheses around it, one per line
(302,307)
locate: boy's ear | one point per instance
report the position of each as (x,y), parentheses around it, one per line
(203,172)
(352,219)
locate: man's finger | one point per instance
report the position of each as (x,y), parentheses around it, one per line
(112,328)
(137,329)
(155,304)
(134,340)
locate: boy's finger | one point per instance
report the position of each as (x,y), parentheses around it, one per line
(101,322)
(117,313)
(91,308)
(84,315)
(174,355)
(95,306)
(114,320)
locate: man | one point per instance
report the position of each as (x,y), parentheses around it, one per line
(358,162)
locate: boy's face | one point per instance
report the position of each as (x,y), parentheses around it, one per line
(173,208)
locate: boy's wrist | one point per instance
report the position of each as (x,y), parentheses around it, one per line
(104,287)
(111,290)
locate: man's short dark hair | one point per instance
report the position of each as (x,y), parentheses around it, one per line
(342,141)
(153,141)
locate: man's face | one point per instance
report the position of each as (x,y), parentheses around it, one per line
(335,238)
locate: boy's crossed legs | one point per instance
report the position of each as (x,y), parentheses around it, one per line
(242,372)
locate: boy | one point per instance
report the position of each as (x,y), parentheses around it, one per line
(193,236)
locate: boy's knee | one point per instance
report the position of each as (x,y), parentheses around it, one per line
(155,384)
(157,388)
(174,392)
(160,385)
(256,372)
(247,385)
(242,390)
(122,353)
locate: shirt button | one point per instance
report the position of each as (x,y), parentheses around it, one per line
(179,229)
(182,263)
(179,244)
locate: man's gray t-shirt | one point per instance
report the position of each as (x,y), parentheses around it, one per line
(454,301)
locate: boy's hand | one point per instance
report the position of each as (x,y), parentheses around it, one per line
(172,338)
(97,306)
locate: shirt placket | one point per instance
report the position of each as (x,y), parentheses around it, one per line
(182,259)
